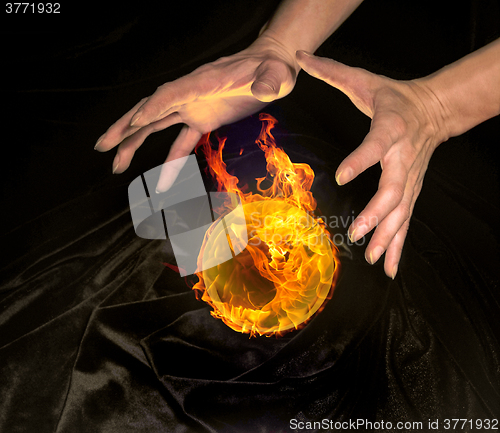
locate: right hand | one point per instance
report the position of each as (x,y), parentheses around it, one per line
(213,95)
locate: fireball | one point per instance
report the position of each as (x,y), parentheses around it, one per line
(284,264)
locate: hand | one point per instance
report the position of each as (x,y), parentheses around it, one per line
(213,95)
(405,130)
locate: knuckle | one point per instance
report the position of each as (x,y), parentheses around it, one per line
(418,187)
(379,145)
(394,194)
(164,91)
(399,126)
(404,214)
(410,147)
(406,226)
(427,128)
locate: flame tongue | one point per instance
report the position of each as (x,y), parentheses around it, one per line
(287,271)
(292,182)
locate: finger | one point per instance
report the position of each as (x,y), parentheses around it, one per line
(119,130)
(165,97)
(391,233)
(127,148)
(394,251)
(356,83)
(268,80)
(389,196)
(389,227)
(360,86)
(395,248)
(182,147)
(385,233)
(373,148)
(328,70)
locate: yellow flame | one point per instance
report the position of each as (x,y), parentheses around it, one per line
(288,269)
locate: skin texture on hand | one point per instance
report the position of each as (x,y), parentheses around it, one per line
(213,95)
(405,130)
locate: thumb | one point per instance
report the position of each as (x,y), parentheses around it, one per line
(269,79)
(358,84)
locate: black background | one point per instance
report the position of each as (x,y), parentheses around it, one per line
(425,346)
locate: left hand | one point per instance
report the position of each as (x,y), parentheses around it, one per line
(405,130)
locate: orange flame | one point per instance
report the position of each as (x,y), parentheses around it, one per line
(287,271)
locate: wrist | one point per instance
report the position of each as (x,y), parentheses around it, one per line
(269,43)
(468,90)
(435,105)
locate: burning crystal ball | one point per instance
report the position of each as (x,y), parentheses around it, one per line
(284,264)
(280,279)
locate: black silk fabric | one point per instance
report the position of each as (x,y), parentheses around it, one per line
(99,334)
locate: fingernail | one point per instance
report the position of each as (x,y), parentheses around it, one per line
(357,233)
(158,191)
(99,141)
(344,176)
(115,163)
(268,93)
(306,53)
(338,177)
(270,86)
(351,235)
(394,271)
(375,254)
(135,118)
